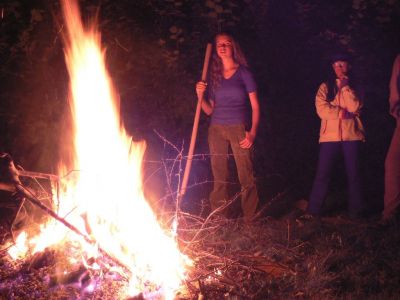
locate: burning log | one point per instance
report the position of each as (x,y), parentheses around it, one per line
(31,198)
(29,195)
(42,259)
(13,184)
(80,276)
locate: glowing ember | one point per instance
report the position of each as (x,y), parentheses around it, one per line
(104,199)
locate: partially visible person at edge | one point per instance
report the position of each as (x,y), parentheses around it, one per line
(341,133)
(392,162)
(232,89)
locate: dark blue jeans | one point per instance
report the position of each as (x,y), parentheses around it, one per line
(329,152)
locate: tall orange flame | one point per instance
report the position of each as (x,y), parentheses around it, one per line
(107,188)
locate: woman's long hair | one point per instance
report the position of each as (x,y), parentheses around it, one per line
(332,86)
(216,62)
(331,83)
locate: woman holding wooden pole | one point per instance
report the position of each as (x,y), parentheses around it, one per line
(234,109)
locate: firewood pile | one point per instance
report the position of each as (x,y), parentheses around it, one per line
(283,257)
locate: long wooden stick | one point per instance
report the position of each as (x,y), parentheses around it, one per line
(195,127)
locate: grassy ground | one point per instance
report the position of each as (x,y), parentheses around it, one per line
(285,257)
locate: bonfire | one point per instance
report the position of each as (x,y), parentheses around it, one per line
(101,206)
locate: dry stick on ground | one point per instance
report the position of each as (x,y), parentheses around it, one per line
(214,212)
(221,261)
(228,259)
(223,264)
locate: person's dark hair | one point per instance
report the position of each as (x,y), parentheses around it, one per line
(339,56)
(216,62)
(332,87)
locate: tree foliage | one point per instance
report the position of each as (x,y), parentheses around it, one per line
(154,51)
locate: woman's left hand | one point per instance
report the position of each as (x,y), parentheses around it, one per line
(248,141)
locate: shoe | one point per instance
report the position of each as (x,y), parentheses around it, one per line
(386,222)
(308,217)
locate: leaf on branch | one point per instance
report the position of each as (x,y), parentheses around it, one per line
(36,15)
(274,269)
(210,4)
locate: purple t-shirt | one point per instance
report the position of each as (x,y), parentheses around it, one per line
(231,98)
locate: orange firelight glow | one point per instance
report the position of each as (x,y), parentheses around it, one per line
(104,198)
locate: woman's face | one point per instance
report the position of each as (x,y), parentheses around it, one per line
(340,67)
(224,46)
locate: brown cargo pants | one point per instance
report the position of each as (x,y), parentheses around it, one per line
(220,137)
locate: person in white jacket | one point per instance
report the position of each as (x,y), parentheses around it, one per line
(341,134)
